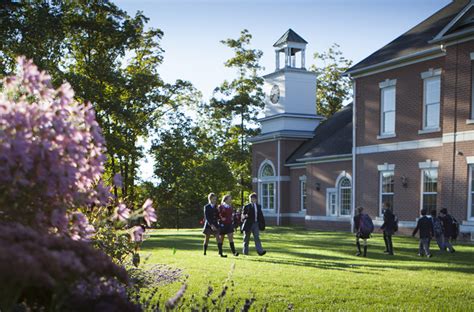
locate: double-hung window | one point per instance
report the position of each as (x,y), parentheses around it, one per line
(386,189)
(387,108)
(431,99)
(429,190)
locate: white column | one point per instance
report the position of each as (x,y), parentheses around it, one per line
(288,57)
(302,58)
(277,60)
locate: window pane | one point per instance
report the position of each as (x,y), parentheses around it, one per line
(332,197)
(389,122)
(345,182)
(345,201)
(267,171)
(271,202)
(472,205)
(432,116)
(433,90)
(388,98)
(429,202)
(387,198)
(472,178)
(430,180)
(265,189)
(387,182)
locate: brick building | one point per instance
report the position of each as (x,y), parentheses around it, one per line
(408,137)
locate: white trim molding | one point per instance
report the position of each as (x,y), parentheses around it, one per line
(460,136)
(328,218)
(388,83)
(472,55)
(399,146)
(386,167)
(470,160)
(428,164)
(431,73)
(303,178)
(271,213)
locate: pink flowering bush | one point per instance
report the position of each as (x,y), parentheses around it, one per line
(51,153)
(52,156)
(41,270)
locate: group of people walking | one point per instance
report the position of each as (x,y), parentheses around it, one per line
(444,228)
(221,220)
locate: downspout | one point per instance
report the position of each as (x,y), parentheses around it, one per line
(455,125)
(279,185)
(354,145)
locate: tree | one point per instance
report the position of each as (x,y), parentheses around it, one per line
(235,106)
(188,169)
(109,58)
(333,88)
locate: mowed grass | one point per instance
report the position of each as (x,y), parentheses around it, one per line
(314,271)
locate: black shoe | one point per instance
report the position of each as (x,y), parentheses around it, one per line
(452,250)
(223,256)
(390,254)
(429,256)
(262,253)
(358,254)
(236,254)
(386,252)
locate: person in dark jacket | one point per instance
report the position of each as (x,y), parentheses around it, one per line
(449,229)
(359,234)
(425,226)
(253,223)
(210,224)
(388,227)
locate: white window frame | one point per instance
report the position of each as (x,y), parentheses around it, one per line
(428,76)
(384,87)
(331,192)
(340,188)
(470,191)
(381,192)
(472,86)
(262,181)
(428,165)
(303,194)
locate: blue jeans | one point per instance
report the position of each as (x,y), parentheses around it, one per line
(256,237)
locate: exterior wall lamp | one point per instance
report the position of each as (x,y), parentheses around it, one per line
(404,181)
(318,186)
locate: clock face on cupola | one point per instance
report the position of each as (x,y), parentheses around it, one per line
(275,94)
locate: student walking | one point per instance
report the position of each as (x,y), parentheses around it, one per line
(226,224)
(364,227)
(438,230)
(253,223)
(389,228)
(211,228)
(451,229)
(425,226)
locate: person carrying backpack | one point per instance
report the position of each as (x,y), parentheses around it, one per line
(451,229)
(389,227)
(425,226)
(364,227)
(438,230)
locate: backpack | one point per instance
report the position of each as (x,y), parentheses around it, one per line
(437,227)
(395,224)
(366,225)
(455,228)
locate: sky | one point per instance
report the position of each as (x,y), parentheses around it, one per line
(193,30)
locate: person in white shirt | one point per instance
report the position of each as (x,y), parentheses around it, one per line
(253,223)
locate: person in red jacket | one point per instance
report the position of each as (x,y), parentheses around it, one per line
(226,220)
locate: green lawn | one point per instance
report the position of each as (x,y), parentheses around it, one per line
(319,271)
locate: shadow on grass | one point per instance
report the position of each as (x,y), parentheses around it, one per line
(293,246)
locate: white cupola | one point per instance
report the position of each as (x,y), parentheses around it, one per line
(291,45)
(290,106)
